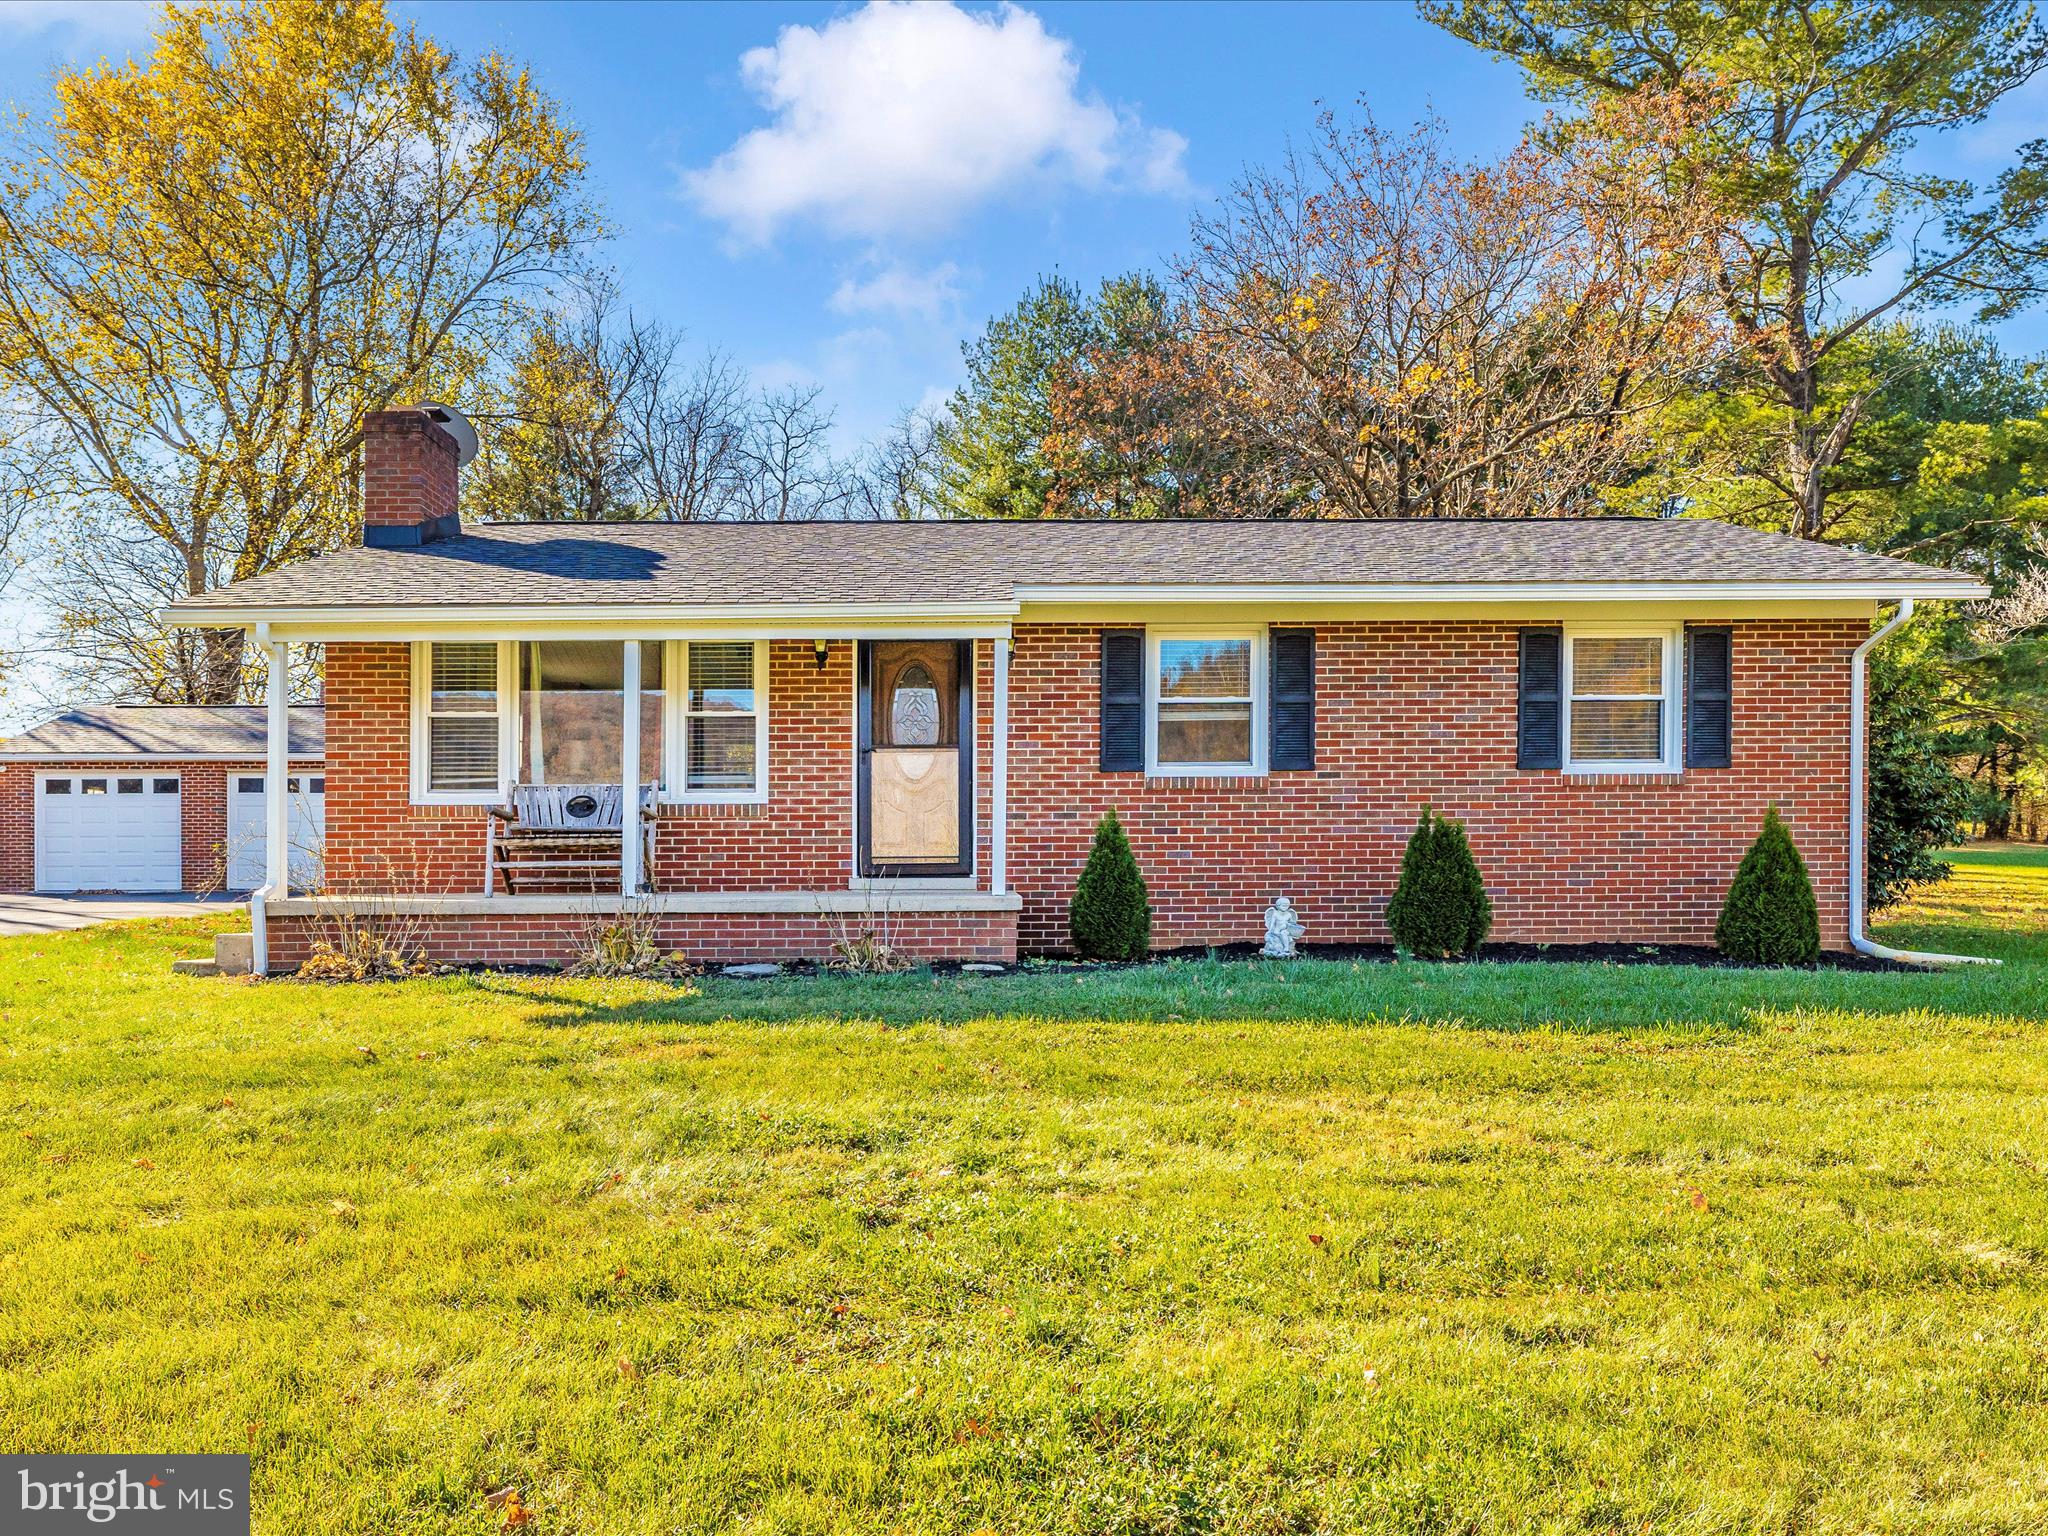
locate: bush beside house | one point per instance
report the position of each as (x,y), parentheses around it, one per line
(1770,916)
(1110,917)
(1440,907)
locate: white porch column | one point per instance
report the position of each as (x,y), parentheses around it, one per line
(277,853)
(629,774)
(999,775)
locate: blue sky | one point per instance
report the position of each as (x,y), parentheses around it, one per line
(860,239)
(1076,138)
(783,194)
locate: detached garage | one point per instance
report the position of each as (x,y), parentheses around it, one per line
(153,797)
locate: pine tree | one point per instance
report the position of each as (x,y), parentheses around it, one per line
(1110,916)
(1770,916)
(1440,907)
(1917,800)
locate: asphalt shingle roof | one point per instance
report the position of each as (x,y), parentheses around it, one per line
(986,561)
(166,730)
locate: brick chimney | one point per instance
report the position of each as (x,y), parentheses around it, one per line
(411,470)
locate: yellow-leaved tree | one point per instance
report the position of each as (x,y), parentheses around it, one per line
(215,260)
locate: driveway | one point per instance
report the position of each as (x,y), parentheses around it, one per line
(54,914)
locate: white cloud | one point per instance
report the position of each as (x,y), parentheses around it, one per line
(900,117)
(899,290)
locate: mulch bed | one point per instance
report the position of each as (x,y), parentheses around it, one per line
(1699,955)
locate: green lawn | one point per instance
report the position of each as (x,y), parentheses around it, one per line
(1230,1248)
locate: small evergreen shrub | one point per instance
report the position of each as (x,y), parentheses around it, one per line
(1440,907)
(1770,917)
(1110,917)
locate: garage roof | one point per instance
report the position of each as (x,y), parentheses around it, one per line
(164,730)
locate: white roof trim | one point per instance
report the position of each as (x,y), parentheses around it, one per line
(837,620)
(254,755)
(443,615)
(1513,591)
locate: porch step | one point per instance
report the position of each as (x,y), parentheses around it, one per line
(234,954)
(194,968)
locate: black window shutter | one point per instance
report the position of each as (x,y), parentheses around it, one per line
(1123,701)
(1539,733)
(1709,730)
(1291,713)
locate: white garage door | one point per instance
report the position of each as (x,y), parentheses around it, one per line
(107,832)
(308,794)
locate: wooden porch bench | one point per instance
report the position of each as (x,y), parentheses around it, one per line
(563,837)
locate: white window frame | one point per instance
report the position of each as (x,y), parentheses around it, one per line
(675,667)
(1154,768)
(508,724)
(1671,646)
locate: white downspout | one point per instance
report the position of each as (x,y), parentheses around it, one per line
(1859,830)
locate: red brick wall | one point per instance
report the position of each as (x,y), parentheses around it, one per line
(409,473)
(1408,713)
(522,938)
(800,839)
(376,838)
(203,805)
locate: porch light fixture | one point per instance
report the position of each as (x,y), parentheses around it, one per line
(818,651)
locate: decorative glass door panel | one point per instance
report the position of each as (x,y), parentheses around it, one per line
(915,709)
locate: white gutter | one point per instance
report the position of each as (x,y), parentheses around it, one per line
(654,621)
(128,755)
(1504,591)
(986,619)
(1859,830)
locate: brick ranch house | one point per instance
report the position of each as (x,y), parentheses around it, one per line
(833,722)
(152,798)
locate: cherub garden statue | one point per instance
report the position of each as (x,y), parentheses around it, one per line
(1282,929)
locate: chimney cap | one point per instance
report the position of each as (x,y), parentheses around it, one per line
(457,426)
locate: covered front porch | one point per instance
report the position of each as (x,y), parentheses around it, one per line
(756,793)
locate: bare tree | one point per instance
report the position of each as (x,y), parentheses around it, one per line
(1375,329)
(603,415)
(561,442)
(691,435)
(900,477)
(2020,612)
(786,468)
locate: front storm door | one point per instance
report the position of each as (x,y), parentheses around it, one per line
(916,774)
